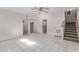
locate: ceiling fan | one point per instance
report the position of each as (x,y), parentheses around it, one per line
(41,9)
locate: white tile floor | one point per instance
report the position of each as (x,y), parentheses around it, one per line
(38,43)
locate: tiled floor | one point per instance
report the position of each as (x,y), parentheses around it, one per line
(38,43)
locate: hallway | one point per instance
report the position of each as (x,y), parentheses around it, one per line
(38,43)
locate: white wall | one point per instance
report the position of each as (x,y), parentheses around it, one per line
(11,25)
(56,15)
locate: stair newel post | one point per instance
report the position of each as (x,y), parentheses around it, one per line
(76,17)
(64,24)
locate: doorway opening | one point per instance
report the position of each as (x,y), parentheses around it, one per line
(25,27)
(31,26)
(44,26)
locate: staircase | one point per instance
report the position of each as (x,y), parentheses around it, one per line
(70,32)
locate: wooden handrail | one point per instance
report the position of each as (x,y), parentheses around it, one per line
(77,27)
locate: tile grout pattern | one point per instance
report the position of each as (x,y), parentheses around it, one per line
(44,43)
